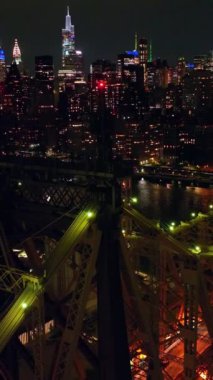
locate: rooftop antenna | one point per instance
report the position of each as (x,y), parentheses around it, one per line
(136,41)
(150,51)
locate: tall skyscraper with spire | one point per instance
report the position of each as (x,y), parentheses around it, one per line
(71,72)
(16,53)
(68,41)
(71,82)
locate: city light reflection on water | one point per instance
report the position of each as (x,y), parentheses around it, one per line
(172,202)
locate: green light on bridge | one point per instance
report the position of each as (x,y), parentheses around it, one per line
(24,305)
(172,226)
(193,214)
(211,207)
(134,200)
(196,249)
(90,214)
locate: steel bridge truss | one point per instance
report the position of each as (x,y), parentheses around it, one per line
(167,294)
(178,293)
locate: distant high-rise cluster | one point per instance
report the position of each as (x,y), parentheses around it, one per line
(146,108)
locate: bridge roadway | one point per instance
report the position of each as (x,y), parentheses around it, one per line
(168,240)
(195,180)
(55,170)
(48,169)
(24,302)
(175,354)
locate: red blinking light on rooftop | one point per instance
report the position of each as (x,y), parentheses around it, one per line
(101,84)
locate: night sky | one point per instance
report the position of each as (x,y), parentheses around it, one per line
(105,28)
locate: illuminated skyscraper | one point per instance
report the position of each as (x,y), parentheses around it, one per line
(2,65)
(150,52)
(209,65)
(68,42)
(143,51)
(2,75)
(72,60)
(181,69)
(198,90)
(71,82)
(200,62)
(143,56)
(127,66)
(44,84)
(16,53)
(13,101)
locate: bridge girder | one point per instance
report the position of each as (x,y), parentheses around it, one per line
(175,273)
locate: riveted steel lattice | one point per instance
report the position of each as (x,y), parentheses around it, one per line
(13,280)
(182,282)
(37,338)
(57,195)
(87,253)
(168,301)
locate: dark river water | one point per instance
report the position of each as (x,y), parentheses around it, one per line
(172,202)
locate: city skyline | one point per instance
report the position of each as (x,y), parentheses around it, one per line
(96,40)
(106,190)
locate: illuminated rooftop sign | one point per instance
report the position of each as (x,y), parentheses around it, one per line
(132,52)
(2,55)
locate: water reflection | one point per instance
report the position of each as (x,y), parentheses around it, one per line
(172,202)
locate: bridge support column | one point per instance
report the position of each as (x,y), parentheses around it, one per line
(9,364)
(113,343)
(38,338)
(162,298)
(191,296)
